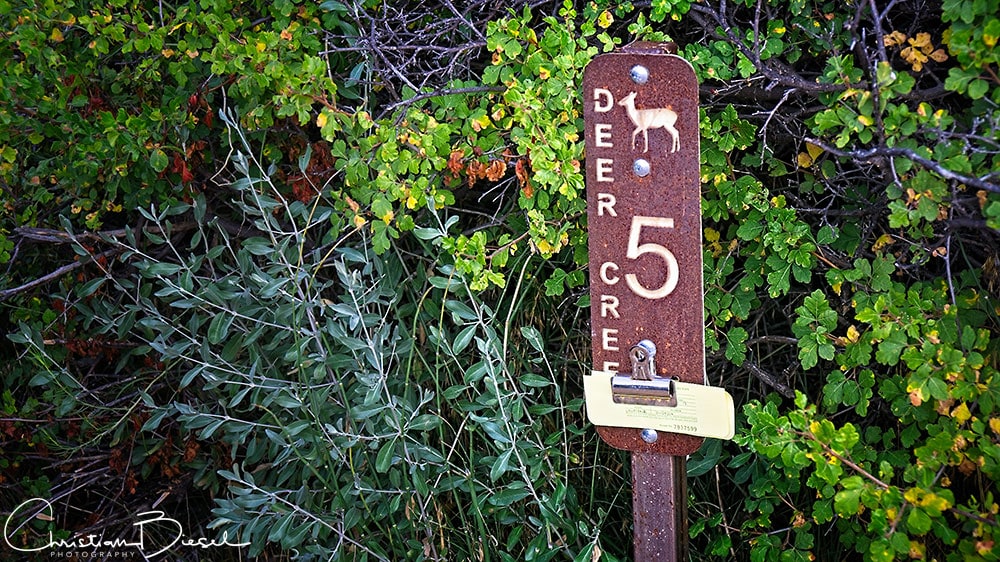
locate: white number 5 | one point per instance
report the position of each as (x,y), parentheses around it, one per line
(635,250)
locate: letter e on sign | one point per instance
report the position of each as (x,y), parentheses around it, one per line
(644,217)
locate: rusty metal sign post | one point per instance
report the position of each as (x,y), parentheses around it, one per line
(646,392)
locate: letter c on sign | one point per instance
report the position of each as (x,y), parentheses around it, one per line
(605,267)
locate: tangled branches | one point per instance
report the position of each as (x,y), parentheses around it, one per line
(416,45)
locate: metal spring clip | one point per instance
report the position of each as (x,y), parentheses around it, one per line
(643,386)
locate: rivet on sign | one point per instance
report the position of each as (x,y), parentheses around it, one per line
(649,435)
(639,74)
(641,168)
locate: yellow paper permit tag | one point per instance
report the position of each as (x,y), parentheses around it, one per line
(703,411)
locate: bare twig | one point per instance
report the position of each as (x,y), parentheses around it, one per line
(873,154)
(446,92)
(770,380)
(8,293)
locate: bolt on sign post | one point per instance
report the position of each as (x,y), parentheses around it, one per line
(646,392)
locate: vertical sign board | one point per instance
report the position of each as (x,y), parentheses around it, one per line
(644,222)
(644,219)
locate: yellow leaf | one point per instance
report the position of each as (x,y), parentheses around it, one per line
(544,73)
(711,234)
(935,501)
(813,150)
(804,160)
(481,123)
(866,120)
(882,242)
(56,35)
(961,413)
(261,46)
(914,57)
(814,427)
(852,334)
(939,55)
(359,221)
(922,41)
(321,120)
(893,39)
(995,425)
(605,19)
(544,246)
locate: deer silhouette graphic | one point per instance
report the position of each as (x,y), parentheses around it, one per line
(646,119)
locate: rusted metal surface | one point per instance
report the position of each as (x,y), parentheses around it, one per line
(659,507)
(644,217)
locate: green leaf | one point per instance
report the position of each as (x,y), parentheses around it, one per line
(555,285)
(463,339)
(534,338)
(978,88)
(500,465)
(534,381)
(218,329)
(384,458)
(736,349)
(158,160)
(808,352)
(780,277)
(705,458)
(826,235)
(891,347)
(918,521)
(425,422)
(90,287)
(510,494)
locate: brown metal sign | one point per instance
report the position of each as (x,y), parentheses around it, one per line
(644,218)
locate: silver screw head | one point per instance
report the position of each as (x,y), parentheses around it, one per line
(641,167)
(639,74)
(649,435)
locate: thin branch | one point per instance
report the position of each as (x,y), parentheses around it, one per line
(448,92)
(873,154)
(770,380)
(8,293)
(846,461)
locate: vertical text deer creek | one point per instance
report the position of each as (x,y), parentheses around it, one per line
(610,273)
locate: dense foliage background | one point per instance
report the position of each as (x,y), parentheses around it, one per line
(313,275)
